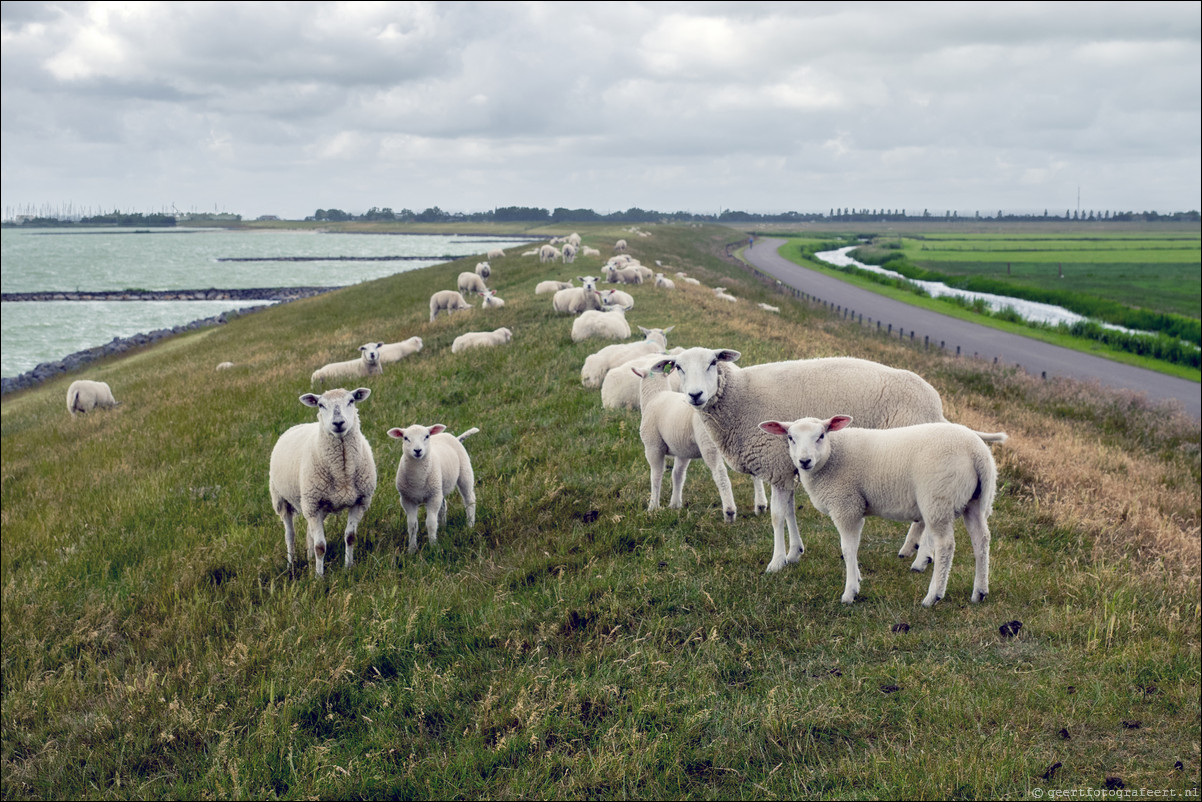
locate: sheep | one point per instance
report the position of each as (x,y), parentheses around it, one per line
(672,428)
(548,253)
(732,401)
(368,364)
(620,387)
(620,246)
(597,365)
(622,275)
(471,282)
(664,283)
(569,253)
(433,463)
(545,287)
(534,252)
(479,339)
(575,300)
(617,298)
(84,395)
(587,251)
(931,473)
(606,325)
(769,308)
(495,253)
(720,292)
(491,299)
(224,365)
(574,239)
(483,269)
(321,469)
(395,352)
(448,300)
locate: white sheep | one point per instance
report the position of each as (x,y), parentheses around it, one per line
(610,325)
(368,364)
(617,298)
(732,401)
(224,365)
(433,463)
(596,366)
(587,251)
(672,428)
(481,339)
(769,307)
(931,473)
(471,282)
(483,269)
(622,275)
(395,352)
(574,239)
(491,299)
(544,287)
(568,253)
(664,283)
(534,252)
(495,253)
(620,246)
(575,300)
(322,468)
(449,301)
(548,253)
(720,292)
(84,395)
(620,387)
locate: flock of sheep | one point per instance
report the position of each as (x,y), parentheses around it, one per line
(781,422)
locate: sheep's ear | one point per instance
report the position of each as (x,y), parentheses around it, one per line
(437,428)
(664,366)
(361,394)
(396,433)
(638,373)
(309,399)
(727,355)
(838,422)
(379,345)
(644,330)
(668,329)
(775,427)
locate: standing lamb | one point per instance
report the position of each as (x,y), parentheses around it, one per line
(84,395)
(569,253)
(481,339)
(395,352)
(471,282)
(433,463)
(321,469)
(732,401)
(931,473)
(448,300)
(368,364)
(596,366)
(610,325)
(548,253)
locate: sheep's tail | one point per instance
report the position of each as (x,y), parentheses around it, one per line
(73,402)
(992,437)
(468,433)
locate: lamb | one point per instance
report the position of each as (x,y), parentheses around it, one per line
(544,287)
(587,251)
(368,364)
(84,395)
(448,300)
(620,387)
(491,300)
(617,298)
(483,269)
(664,283)
(321,469)
(471,282)
(495,253)
(606,325)
(548,253)
(597,365)
(575,300)
(623,275)
(732,401)
(395,352)
(931,473)
(720,292)
(769,307)
(671,428)
(480,339)
(569,253)
(433,463)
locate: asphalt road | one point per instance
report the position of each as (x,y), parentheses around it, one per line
(1034,356)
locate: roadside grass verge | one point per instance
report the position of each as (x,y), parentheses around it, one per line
(155,643)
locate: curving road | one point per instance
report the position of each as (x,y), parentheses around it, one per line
(1034,356)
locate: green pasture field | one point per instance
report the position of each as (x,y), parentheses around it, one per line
(155,643)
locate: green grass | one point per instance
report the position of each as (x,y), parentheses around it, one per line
(155,643)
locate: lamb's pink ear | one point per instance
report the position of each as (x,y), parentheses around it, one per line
(838,422)
(437,428)
(309,399)
(638,373)
(775,427)
(396,433)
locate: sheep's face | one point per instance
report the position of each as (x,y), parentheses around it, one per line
(337,414)
(698,369)
(809,447)
(371,353)
(416,439)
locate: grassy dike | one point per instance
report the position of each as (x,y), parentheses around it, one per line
(155,644)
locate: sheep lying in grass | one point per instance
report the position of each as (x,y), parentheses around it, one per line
(84,395)
(664,283)
(575,300)
(732,402)
(611,298)
(368,364)
(449,301)
(433,463)
(610,325)
(931,473)
(671,428)
(481,339)
(587,251)
(395,352)
(544,287)
(471,282)
(322,468)
(769,307)
(720,292)
(491,300)
(596,366)
(224,365)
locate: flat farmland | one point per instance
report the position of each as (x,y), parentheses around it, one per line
(1161,273)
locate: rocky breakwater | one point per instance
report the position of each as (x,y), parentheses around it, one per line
(49,370)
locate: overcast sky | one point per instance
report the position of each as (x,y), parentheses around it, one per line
(284,108)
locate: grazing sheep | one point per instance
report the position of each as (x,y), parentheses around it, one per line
(610,325)
(368,364)
(568,253)
(574,239)
(470,282)
(322,468)
(597,365)
(224,365)
(495,253)
(620,387)
(84,395)
(545,287)
(620,246)
(732,401)
(672,428)
(548,253)
(665,283)
(448,300)
(575,300)
(480,339)
(617,298)
(769,308)
(931,473)
(395,352)
(491,300)
(433,463)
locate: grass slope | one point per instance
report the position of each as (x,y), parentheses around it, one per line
(156,645)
